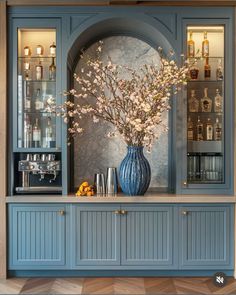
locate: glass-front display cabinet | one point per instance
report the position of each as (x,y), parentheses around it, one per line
(36,137)
(207,110)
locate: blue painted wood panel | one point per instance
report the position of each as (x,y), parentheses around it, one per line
(97,235)
(206,237)
(147,236)
(37,236)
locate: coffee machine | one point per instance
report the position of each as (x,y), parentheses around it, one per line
(39,174)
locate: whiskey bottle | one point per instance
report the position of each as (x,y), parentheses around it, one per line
(49,139)
(193,103)
(38,104)
(193,72)
(199,130)
(36,134)
(27,132)
(205,46)
(206,102)
(52,49)
(218,104)
(27,51)
(217,130)
(190,129)
(219,71)
(27,103)
(209,130)
(39,50)
(191,45)
(52,70)
(39,71)
(207,69)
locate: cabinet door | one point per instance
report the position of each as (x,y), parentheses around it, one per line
(206,237)
(97,235)
(147,236)
(37,236)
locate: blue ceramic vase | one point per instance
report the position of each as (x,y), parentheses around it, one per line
(135,172)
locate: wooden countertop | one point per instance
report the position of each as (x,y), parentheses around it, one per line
(148,198)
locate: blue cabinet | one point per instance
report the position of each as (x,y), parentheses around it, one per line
(206,237)
(37,236)
(96,229)
(147,236)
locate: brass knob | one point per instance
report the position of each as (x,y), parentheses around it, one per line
(62,212)
(184,213)
(117,211)
(123,212)
(185,183)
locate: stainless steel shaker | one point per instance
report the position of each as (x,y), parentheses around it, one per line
(99,183)
(111,181)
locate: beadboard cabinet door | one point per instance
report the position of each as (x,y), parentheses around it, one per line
(37,236)
(147,236)
(206,237)
(96,229)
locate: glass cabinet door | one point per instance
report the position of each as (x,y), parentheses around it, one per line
(36,78)
(205,105)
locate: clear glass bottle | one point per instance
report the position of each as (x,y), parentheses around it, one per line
(27,104)
(190,133)
(193,103)
(52,70)
(207,69)
(36,134)
(27,51)
(199,129)
(38,104)
(209,130)
(49,140)
(39,71)
(27,132)
(217,130)
(191,45)
(219,70)
(218,103)
(206,102)
(205,46)
(27,70)
(52,49)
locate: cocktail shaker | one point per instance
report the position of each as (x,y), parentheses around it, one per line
(111,181)
(99,183)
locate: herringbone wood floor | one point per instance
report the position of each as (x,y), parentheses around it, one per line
(115,286)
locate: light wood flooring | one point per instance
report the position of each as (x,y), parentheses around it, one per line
(115,286)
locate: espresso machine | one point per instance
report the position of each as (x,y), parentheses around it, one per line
(39,174)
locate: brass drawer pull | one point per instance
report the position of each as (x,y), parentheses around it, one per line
(62,212)
(117,212)
(184,213)
(124,212)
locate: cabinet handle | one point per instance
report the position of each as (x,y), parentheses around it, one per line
(117,212)
(184,183)
(185,213)
(62,212)
(124,212)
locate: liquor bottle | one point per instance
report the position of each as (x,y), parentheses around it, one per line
(27,132)
(218,105)
(190,129)
(199,129)
(209,130)
(219,71)
(193,102)
(27,103)
(39,50)
(205,46)
(27,70)
(217,130)
(27,51)
(38,104)
(39,71)
(191,45)
(49,139)
(207,69)
(193,72)
(36,134)
(52,70)
(206,102)
(52,49)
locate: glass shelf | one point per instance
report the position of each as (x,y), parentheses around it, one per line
(36,57)
(206,81)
